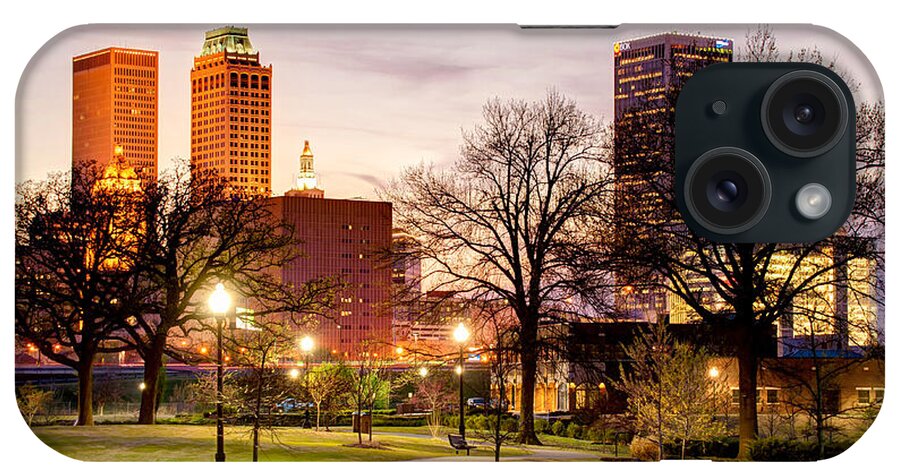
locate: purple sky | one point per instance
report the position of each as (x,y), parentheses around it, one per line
(370,99)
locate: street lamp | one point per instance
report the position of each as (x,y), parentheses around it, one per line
(219,304)
(423,372)
(307,344)
(461,336)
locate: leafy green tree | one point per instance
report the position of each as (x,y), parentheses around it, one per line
(670,392)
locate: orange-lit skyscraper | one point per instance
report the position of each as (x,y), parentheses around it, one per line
(114,103)
(231,110)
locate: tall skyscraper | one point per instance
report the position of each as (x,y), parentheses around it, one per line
(648,73)
(115,101)
(231,109)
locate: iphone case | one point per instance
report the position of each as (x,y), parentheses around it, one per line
(304,231)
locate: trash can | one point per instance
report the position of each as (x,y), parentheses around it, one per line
(362,423)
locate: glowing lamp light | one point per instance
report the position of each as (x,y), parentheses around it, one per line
(714,372)
(219,300)
(423,372)
(203,350)
(460,334)
(307,344)
(142,386)
(399,350)
(294,373)
(459,370)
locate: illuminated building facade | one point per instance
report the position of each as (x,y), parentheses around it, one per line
(406,279)
(119,182)
(648,72)
(115,101)
(835,309)
(231,109)
(343,239)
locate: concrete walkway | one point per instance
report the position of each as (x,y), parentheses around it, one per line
(537,454)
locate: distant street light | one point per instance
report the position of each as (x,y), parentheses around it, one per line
(423,372)
(713,372)
(461,336)
(142,386)
(219,305)
(294,373)
(307,344)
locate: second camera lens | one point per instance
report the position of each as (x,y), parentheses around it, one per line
(804,113)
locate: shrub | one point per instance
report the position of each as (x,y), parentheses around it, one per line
(573,430)
(644,449)
(595,433)
(723,447)
(558,428)
(776,449)
(477,422)
(541,426)
(509,424)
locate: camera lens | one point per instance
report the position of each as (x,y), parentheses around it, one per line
(804,113)
(727,190)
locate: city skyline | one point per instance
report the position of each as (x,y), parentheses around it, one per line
(366,112)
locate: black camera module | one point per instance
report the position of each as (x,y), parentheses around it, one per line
(804,113)
(727,190)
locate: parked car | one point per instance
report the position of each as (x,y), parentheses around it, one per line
(289,405)
(476,402)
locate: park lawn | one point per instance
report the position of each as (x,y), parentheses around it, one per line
(197,443)
(583,445)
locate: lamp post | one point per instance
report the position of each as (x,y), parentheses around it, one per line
(461,335)
(307,344)
(219,303)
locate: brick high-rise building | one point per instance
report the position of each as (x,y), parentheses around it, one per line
(343,239)
(231,110)
(115,101)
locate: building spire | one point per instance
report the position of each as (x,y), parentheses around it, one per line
(306,179)
(307,182)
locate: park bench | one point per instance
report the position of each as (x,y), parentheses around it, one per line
(458,442)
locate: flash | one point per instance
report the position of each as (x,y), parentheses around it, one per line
(813,201)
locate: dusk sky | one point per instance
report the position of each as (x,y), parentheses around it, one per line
(370,99)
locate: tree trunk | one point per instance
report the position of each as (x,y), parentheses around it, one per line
(152,368)
(318,412)
(528,357)
(747,367)
(85,391)
(746,348)
(258,407)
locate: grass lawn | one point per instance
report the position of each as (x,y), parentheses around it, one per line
(197,443)
(572,443)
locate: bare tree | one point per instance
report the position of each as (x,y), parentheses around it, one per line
(201,234)
(501,224)
(77,289)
